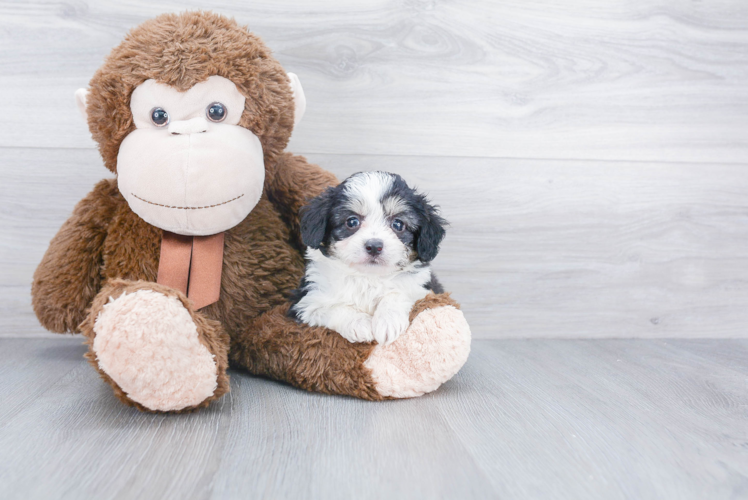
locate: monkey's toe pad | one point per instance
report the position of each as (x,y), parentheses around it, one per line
(430,352)
(149,345)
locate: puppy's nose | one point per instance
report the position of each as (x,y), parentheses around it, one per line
(374,247)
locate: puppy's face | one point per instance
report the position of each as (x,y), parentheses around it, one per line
(374,223)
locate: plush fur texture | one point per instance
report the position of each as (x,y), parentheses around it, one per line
(365,267)
(128,341)
(105,250)
(312,358)
(429,353)
(210,334)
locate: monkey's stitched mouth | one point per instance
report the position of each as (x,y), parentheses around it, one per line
(187,208)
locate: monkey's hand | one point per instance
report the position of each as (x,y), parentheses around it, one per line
(294,182)
(69,275)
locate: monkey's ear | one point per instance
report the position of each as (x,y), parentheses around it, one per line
(299,99)
(81,96)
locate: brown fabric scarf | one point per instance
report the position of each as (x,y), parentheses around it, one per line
(192,265)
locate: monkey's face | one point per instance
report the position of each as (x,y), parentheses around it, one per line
(188,149)
(188,167)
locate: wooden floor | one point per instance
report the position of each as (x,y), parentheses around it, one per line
(572,419)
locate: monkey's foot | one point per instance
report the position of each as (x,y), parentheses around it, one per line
(430,352)
(155,350)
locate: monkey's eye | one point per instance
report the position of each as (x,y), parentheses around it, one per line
(159,117)
(352,222)
(216,112)
(398,225)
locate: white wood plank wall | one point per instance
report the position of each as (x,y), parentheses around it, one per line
(592,156)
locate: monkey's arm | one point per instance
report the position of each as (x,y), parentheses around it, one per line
(293,183)
(68,276)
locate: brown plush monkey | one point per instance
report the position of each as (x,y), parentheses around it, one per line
(192,113)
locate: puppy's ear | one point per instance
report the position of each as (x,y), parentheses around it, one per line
(431,232)
(314,218)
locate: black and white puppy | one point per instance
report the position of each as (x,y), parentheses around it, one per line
(370,241)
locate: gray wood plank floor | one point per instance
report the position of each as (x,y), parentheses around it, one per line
(566,419)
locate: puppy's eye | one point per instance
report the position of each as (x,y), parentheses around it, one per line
(352,222)
(398,225)
(216,112)
(159,117)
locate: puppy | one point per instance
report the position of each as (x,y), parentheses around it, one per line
(370,241)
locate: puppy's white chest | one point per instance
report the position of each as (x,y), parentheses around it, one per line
(361,308)
(364,293)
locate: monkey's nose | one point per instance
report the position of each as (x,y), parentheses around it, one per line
(192,126)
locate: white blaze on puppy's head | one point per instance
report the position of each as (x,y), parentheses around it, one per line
(374,245)
(373,222)
(370,241)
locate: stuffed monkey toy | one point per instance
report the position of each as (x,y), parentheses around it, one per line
(182,265)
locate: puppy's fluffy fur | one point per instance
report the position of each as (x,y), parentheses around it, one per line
(370,241)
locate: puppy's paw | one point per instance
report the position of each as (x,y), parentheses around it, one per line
(358,330)
(388,325)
